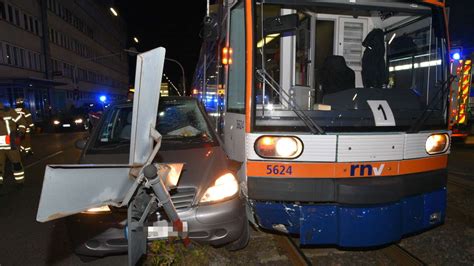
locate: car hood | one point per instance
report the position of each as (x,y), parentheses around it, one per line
(202,167)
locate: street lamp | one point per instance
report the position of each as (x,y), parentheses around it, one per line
(113,11)
(135,39)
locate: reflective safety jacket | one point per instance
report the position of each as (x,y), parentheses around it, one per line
(10,122)
(27,116)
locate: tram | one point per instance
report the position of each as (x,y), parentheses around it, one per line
(338,111)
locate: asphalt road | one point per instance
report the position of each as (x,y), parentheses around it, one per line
(23,241)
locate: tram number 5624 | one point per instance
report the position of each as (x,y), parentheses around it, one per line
(278,169)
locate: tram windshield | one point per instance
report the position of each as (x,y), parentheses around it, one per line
(375,66)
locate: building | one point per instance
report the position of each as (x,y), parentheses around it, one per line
(58,54)
(164,89)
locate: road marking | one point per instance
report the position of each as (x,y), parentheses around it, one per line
(43,159)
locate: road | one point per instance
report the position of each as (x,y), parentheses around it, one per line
(23,241)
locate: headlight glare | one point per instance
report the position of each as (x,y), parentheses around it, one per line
(56,122)
(278,147)
(78,121)
(437,143)
(96,210)
(224,187)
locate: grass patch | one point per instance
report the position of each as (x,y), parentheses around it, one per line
(173,252)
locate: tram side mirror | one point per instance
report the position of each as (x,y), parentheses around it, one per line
(210,29)
(280,24)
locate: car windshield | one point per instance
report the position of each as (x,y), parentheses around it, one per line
(371,67)
(179,120)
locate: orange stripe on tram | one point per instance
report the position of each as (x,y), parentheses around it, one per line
(249,63)
(423,165)
(344,170)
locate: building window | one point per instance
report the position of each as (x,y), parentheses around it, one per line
(8,54)
(25,21)
(36,27)
(2,60)
(10,13)
(31,23)
(15,56)
(2,10)
(17,17)
(22,57)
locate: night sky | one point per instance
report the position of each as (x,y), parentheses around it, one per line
(175,25)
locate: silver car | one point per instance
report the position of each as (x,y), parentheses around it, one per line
(207,196)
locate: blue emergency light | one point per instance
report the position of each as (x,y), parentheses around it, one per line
(103,98)
(456,56)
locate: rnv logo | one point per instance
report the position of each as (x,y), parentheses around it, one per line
(366,170)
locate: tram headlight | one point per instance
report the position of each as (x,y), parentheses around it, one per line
(281,147)
(224,187)
(437,143)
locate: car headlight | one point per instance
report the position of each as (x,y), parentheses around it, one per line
(96,210)
(56,122)
(278,147)
(437,143)
(224,187)
(78,121)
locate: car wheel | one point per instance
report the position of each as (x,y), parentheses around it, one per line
(84,258)
(242,241)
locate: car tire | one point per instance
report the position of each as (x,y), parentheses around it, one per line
(242,241)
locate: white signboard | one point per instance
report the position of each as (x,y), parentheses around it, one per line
(382,112)
(147,95)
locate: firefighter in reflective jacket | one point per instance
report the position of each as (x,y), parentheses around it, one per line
(25,144)
(10,123)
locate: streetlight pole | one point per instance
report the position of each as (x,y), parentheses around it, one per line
(182,70)
(134,51)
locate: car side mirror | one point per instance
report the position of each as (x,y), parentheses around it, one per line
(280,24)
(81,144)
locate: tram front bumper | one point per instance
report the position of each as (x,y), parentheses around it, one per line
(364,213)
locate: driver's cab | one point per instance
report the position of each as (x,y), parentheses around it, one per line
(336,57)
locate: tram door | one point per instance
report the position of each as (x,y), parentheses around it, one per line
(234,118)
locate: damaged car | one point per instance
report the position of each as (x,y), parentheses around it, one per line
(207,196)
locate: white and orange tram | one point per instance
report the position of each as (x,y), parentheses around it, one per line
(338,112)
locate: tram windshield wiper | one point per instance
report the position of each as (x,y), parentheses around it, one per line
(312,126)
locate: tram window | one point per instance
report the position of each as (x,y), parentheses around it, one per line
(236,86)
(303,47)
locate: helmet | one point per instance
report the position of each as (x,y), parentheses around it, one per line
(19,102)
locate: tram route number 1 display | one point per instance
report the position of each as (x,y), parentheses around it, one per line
(382,113)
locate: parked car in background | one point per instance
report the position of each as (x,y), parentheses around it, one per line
(68,121)
(207,196)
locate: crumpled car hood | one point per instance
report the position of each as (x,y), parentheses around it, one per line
(202,165)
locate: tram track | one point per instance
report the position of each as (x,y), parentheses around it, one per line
(293,252)
(401,256)
(456,180)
